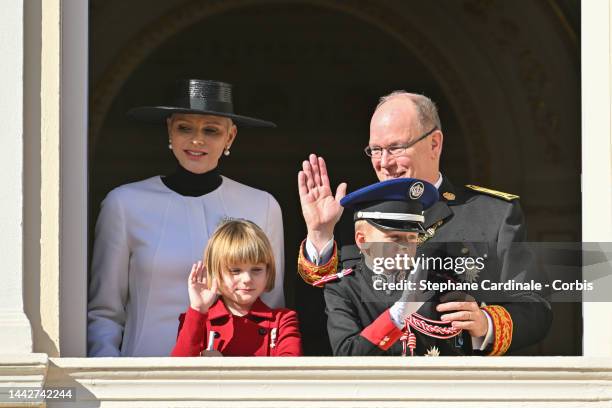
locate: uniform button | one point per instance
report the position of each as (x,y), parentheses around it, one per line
(262,331)
(464,250)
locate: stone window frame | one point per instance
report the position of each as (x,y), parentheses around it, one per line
(54,127)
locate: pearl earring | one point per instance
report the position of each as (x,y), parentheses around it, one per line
(226,152)
(170,144)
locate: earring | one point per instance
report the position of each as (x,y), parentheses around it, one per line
(226,152)
(170,144)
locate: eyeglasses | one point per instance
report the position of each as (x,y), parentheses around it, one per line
(397,150)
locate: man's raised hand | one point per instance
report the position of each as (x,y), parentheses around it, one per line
(320,208)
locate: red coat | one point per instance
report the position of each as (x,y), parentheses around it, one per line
(249,335)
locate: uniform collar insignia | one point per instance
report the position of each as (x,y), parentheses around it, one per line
(447,188)
(448,196)
(440,211)
(429,233)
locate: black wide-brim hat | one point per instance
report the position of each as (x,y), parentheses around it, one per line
(201,97)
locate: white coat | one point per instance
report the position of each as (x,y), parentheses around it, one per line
(146,239)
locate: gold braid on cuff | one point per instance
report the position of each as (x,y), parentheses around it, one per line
(311,272)
(502,329)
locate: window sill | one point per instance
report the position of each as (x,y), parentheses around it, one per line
(388,381)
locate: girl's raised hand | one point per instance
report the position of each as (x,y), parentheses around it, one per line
(201,298)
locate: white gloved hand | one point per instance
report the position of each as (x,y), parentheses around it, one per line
(411,300)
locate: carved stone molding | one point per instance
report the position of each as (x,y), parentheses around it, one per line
(21,371)
(356,382)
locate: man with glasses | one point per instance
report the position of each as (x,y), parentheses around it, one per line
(406,142)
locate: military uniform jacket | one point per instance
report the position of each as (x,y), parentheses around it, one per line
(359,324)
(475,223)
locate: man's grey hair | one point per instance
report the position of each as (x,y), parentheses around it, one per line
(426,108)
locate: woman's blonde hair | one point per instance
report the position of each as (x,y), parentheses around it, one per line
(236,242)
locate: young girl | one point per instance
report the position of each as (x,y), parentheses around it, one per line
(225,313)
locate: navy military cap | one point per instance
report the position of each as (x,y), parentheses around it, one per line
(395,204)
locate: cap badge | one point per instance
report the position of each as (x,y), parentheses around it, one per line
(416,190)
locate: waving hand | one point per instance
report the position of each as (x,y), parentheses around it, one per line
(321,209)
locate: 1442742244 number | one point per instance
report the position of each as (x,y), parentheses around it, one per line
(37,394)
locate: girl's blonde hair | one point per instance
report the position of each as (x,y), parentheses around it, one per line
(236,242)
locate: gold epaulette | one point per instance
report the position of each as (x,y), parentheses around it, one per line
(312,273)
(494,193)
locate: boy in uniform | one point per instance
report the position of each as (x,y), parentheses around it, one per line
(365,317)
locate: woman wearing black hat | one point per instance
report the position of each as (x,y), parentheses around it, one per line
(149,233)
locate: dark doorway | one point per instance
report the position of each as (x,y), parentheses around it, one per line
(318,73)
